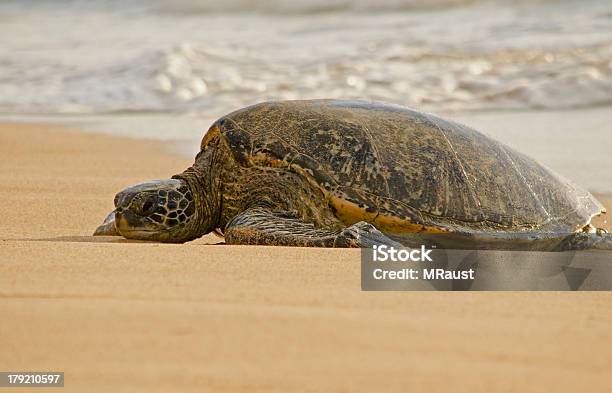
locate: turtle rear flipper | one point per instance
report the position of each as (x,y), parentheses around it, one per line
(281,228)
(599,240)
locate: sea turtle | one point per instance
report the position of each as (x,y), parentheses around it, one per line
(336,173)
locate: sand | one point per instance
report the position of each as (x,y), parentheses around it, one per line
(122,316)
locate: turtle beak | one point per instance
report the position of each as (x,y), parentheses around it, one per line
(108,227)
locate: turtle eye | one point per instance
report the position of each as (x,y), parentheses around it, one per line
(149,205)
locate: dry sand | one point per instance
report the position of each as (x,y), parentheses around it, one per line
(121,316)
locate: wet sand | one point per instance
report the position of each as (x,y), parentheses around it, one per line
(122,316)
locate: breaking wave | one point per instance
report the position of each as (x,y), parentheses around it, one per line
(69,57)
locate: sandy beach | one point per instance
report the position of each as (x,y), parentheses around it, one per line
(119,316)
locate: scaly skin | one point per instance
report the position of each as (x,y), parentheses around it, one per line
(227,189)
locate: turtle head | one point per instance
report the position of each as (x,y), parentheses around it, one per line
(159,210)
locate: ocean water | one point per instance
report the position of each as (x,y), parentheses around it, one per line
(206,58)
(536,75)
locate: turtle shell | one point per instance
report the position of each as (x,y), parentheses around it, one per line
(405,170)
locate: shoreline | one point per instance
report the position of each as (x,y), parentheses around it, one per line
(574,143)
(116,315)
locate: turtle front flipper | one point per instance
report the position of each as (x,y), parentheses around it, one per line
(281,228)
(363,234)
(108,227)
